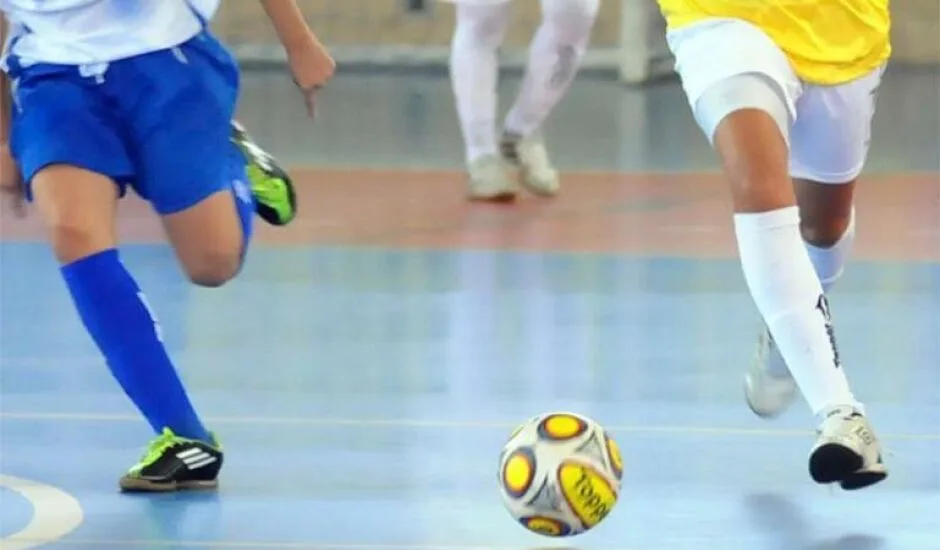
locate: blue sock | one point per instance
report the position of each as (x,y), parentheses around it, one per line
(117,316)
(244,198)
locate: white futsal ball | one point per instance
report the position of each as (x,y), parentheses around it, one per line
(559,474)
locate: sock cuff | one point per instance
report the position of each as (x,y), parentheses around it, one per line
(772,219)
(89,262)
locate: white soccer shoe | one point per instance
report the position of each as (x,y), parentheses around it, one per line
(489,180)
(530,156)
(847,451)
(768,386)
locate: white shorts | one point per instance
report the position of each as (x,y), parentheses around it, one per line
(830,127)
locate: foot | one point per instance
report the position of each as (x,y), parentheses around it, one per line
(272,188)
(847,451)
(174,463)
(489,181)
(768,386)
(530,156)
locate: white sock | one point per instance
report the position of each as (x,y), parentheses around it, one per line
(790,298)
(474,73)
(829,263)
(554,58)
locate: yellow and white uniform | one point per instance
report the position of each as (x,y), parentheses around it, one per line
(826,57)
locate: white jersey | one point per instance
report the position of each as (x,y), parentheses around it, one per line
(206,8)
(86,32)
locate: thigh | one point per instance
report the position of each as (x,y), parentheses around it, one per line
(831,136)
(63,118)
(78,208)
(713,51)
(178,105)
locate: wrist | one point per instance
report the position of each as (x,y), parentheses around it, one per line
(301,43)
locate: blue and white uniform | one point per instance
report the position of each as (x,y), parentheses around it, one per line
(137,90)
(206,8)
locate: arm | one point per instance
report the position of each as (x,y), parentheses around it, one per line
(290,25)
(310,62)
(11,186)
(6,98)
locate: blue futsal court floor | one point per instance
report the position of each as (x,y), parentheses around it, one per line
(362,411)
(365,370)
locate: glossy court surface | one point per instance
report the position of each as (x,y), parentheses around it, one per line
(366,368)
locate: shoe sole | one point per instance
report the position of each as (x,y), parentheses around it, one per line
(132,485)
(832,463)
(537,191)
(860,480)
(500,198)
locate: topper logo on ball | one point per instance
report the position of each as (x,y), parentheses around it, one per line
(589,495)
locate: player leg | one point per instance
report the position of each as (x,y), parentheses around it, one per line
(71,151)
(474,73)
(830,143)
(202,193)
(827,224)
(554,58)
(743,95)
(829,148)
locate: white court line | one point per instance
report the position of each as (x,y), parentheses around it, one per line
(261,545)
(55,514)
(415,423)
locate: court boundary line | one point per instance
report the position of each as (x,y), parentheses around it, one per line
(56,514)
(716,431)
(714,171)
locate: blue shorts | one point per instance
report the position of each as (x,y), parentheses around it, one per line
(158,122)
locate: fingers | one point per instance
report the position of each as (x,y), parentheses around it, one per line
(310,100)
(11,184)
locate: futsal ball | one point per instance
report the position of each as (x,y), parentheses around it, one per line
(559,474)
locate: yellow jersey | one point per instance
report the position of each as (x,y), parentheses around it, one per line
(828,42)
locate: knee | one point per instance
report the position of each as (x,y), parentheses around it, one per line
(71,240)
(824,232)
(827,213)
(483,26)
(571,17)
(213,268)
(746,117)
(77,208)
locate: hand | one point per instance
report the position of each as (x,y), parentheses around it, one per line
(312,67)
(11,182)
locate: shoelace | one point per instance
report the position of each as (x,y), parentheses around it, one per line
(161,443)
(533,153)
